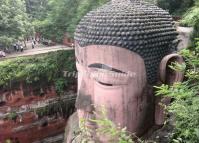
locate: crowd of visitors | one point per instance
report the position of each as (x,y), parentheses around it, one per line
(18,47)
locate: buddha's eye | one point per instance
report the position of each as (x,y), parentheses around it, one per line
(105,67)
(107,76)
(105,84)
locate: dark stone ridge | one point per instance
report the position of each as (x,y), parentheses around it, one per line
(132,24)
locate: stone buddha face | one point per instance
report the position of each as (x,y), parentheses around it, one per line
(119,49)
(115,78)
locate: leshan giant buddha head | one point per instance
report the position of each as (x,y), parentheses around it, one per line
(126,45)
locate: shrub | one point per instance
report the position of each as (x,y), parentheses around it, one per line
(12,116)
(191,18)
(106,129)
(175,7)
(37,69)
(185,106)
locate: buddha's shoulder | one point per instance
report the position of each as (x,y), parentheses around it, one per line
(72,129)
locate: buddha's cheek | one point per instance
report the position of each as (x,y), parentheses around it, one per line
(115,100)
(125,104)
(112,99)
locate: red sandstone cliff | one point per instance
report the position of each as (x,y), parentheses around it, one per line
(24,114)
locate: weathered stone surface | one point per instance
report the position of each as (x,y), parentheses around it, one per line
(72,129)
(184,36)
(54,139)
(28,126)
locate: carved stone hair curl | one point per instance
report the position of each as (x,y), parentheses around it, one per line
(132,24)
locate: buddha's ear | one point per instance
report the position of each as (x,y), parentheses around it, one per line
(168,75)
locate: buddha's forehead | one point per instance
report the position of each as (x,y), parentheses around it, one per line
(111,56)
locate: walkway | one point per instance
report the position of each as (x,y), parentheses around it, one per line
(40,49)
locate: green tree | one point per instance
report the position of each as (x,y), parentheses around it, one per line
(37,9)
(63,16)
(191,18)
(175,7)
(14,22)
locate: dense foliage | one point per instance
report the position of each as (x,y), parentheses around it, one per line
(36,9)
(54,18)
(110,132)
(48,68)
(186,100)
(175,7)
(62,107)
(14,22)
(63,16)
(191,18)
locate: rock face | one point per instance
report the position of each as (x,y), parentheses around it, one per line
(132,24)
(184,37)
(21,93)
(72,130)
(32,113)
(27,118)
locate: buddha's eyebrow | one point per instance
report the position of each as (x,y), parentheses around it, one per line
(106,67)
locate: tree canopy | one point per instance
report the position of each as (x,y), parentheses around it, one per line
(175,7)
(37,9)
(191,18)
(63,16)
(14,22)
(54,18)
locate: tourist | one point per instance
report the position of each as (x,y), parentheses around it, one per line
(33,45)
(21,48)
(17,47)
(34,41)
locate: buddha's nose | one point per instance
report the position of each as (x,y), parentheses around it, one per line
(84,100)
